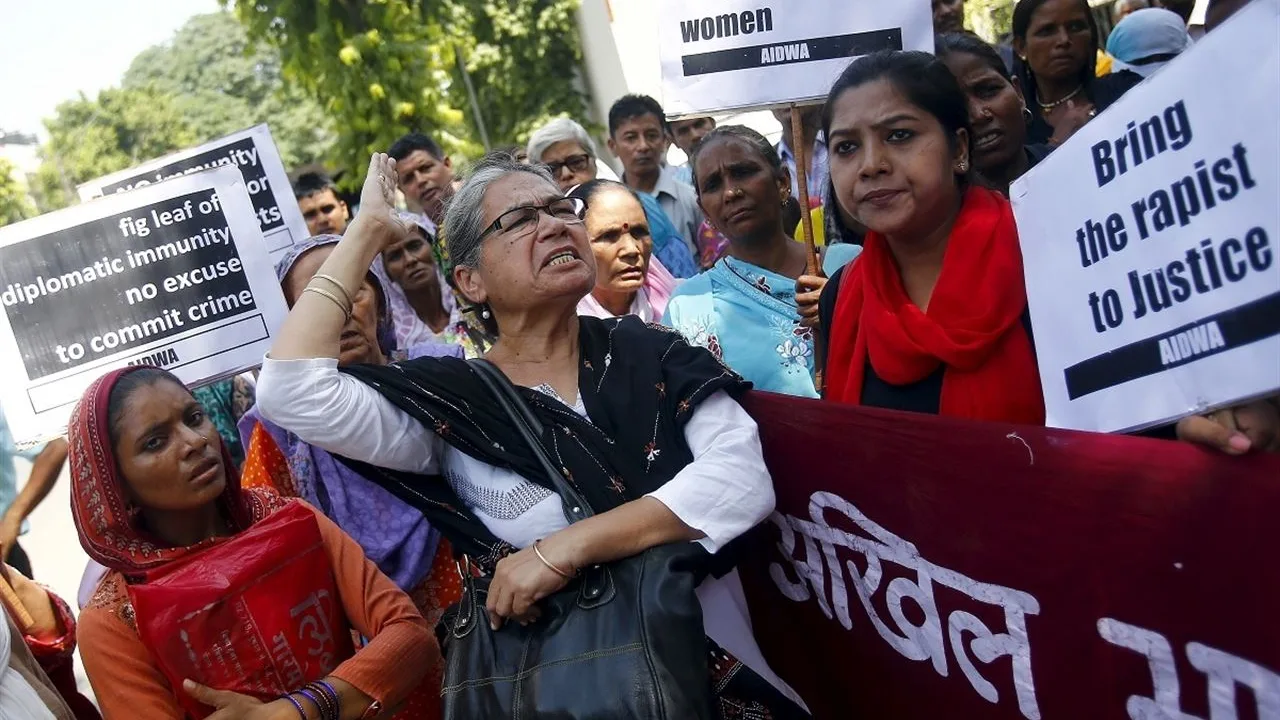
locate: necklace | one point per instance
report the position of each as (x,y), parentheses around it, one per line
(1056,103)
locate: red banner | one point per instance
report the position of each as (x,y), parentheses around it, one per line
(920,567)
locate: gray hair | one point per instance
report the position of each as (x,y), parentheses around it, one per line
(559,130)
(464,219)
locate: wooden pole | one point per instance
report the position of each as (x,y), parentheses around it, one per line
(19,611)
(802,185)
(806,226)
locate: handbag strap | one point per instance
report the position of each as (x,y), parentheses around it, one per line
(575,506)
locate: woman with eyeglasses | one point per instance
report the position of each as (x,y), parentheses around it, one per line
(647,427)
(566,150)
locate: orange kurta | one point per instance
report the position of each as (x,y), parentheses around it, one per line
(129,685)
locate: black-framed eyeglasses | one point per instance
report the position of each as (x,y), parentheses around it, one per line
(576,163)
(525,218)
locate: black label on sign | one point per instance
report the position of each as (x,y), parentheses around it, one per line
(800,51)
(1219,333)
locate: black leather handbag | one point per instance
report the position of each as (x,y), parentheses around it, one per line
(623,640)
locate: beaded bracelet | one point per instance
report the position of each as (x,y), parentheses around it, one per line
(330,696)
(327,710)
(302,712)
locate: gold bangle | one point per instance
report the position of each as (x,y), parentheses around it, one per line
(346,311)
(334,281)
(548,563)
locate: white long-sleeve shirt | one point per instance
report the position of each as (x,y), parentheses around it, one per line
(722,493)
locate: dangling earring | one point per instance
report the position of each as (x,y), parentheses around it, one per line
(1026,112)
(485,313)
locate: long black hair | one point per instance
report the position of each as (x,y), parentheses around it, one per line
(924,80)
(1022,14)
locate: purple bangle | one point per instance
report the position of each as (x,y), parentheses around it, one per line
(326,689)
(328,709)
(302,712)
(314,700)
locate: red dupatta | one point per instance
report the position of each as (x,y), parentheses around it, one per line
(973,324)
(105,519)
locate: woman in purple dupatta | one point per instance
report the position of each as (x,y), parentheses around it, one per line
(394,535)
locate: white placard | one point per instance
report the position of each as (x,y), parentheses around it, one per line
(174,274)
(733,54)
(1152,241)
(254,152)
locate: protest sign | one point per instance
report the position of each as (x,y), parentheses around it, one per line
(1150,241)
(174,275)
(735,54)
(920,567)
(254,152)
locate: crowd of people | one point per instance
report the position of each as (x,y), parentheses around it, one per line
(631,312)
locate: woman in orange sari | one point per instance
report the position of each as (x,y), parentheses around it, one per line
(153,486)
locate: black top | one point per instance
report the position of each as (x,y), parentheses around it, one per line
(1103,91)
(1036,153)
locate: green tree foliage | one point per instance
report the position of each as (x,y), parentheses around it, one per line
(385,68)
(90,138)
(223,83)
(991,20)
(14,205)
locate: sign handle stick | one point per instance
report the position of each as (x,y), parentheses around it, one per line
(802,184)
(806,226)
(19,611)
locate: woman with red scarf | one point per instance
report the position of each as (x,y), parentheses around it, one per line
(155,497)
(932,316)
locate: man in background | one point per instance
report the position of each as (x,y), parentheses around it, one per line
(47,461)
(425,175)
(638,135)
(686,133)
(948,16)
(324,211)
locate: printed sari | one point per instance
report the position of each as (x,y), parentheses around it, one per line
(747,317)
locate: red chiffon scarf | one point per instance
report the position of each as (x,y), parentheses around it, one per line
(973,326)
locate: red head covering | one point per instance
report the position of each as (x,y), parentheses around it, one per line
(973,324)
(105,519)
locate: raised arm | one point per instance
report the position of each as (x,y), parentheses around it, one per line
(300,388)
(314,325)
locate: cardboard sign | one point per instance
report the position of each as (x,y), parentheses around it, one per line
(174,275)
(734,54)
(1152,241)
(254,152)
(920,567)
